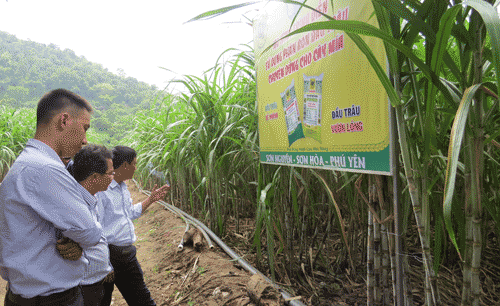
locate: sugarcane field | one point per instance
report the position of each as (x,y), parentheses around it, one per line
(347,154)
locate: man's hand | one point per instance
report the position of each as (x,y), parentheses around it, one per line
(158,194)
(68,249)
(110,277)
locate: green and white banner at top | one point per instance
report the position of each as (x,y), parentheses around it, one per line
(320,103)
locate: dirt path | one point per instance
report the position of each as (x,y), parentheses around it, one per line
(208,277)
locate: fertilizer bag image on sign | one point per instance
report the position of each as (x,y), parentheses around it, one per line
(292,115)
(312,106)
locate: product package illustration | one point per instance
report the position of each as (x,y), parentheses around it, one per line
(292,115)
(313,86)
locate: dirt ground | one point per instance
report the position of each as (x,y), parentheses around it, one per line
(186,277)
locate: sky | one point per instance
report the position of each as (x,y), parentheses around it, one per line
(136,36)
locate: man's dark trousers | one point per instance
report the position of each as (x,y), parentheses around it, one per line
(71,297)
(93,294)
(128,278)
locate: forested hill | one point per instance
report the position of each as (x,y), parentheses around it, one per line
(29,69)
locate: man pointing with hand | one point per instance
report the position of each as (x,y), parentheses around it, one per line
(116,213)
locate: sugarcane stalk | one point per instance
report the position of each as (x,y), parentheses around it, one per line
(303,244)
(382,201)
(289,235)
(412,186)
(476,261)
(377,261)
(471,282)
(392,257)
(466,286)
(385,261)
(477,168)
(426,232)
(369,262)
(413,191)
(407,288)
(477,210)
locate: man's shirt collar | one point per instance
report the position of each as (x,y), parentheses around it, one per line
(113,184)
(35,143)
(89,199)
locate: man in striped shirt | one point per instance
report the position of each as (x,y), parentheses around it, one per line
(116,213)
(92,167)
(38,197)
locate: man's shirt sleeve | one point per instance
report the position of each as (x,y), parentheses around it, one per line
(54,196)
(103,203)
(136,210)
(3,273)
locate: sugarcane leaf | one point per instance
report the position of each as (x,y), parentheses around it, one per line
(492,137)
(261,215)
(492,22)
(379,70)
(338,214)
(399,9)
(220,11)
(456,137)
(351,177)
(438,242)
(293,192)
(442,39)
(385,25)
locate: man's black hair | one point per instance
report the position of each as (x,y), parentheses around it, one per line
(58,99)
(123,154)
(89,160)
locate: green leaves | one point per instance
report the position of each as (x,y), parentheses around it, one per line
(205,138)
(492,22)
(16,127)
(338,214)
(442,39)
(456,137)
(379,70)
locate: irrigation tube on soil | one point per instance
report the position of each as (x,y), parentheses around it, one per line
(207,232)
(181,244)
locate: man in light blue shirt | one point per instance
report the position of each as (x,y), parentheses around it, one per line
(92,167)
(116,213)
(37,197)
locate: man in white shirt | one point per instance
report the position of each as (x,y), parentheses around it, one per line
(38,197)
(116,213)
(92,167)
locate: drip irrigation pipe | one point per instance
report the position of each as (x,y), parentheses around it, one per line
(207,232)
(181,244)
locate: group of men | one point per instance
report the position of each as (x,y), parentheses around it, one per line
(66,231)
